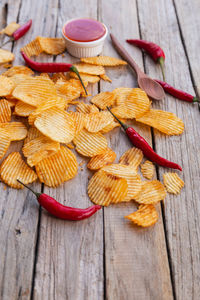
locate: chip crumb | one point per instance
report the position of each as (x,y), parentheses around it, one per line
(173,183)
(82,163)
(70,146)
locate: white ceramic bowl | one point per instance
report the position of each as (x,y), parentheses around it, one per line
(84,49)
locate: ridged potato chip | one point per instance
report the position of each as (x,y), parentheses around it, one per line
(12,101)
(10,29)
(151,192)
(147,169)
(110,127)
(23,109)
(4,142)
(33,48)
(86,77)
(105,77)
(131,157)
(78,85)
(52,46)
(6,86)
(90,144)
(133,179)
(57,168)
(104,99)
(79,119)
(173,183)
(18,70)
(57,124)
(18,79)
(104,188)
(17,130)
(32,134)
(66,90)
(86,108)
(121,94)
(13,168)
(94,122)
(164,121)
(5,111)
(57,76)
(6,56)
(106,61)
(145,216)
(90,69)
(98,161)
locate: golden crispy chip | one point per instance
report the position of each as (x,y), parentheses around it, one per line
(6,56)
(45,75)
(13,168)
(18,70)
(104,188)
(94,122)
(38,149)
(151,192)
(52,46)
(86,108)
(145,216)
(5,111)
(89,143)
(35,91)
(104,99)
(106,61)
(57,124)
(57,168)
(131,176)
(132,157)
(105,77)
(18,79)
(79,119)
(66,90)
(32,134)
(4,142)
(23,109)
(33,48)
(173,183)
(86,77)
(78,86)
(6,86)
(147,169)
(110,127)
(90,69)
(121,94)
(164,121)
(17,130)
(12,101)
(10,29)
(98,161)
(56,76)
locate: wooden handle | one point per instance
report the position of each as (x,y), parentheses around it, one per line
(125,55)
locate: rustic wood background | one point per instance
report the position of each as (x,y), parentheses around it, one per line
(105,257)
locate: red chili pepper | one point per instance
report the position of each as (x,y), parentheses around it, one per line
(139,142)
(181,95)
(61,211)
(51,67)
(153,50)
(21,31)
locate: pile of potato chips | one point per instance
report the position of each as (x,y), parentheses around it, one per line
(48,126)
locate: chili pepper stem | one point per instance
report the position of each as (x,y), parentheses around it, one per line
(124,126)
(74,69)
(195,99)
(36,194)
(161,62)
(8,41)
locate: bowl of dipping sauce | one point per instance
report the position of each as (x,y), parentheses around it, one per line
(84,37)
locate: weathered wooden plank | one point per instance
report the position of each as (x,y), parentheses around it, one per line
(70,254)
(181,212)
(136,259)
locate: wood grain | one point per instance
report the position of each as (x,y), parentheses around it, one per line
(181,212)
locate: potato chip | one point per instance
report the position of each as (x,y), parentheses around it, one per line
(86,77)
(10,29)
(105,77)
(32,134)
(57,124)
(23,109)
(164,121)
(86,108)
(35,91)
(145,216)
(132,157)
(90,69)
(57,168)
(98,161)
(104,188)
(45,75)
(56,76)
(52,46)
(4,142)
(33,48)
(18,79)
(6,56)
(78,86)
(5,111)
(6,86)
(18,70)
(173,183)
(89,143)
(151,192)
(17,130)
(131,176)
(106,61)
(148,169)
(79,119)
(13,168)
(94,122)
(104,99)
(12,101)
(66,90)
(38,149)
(110,127)
(121,94)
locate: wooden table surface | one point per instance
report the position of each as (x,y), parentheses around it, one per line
(105,257)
